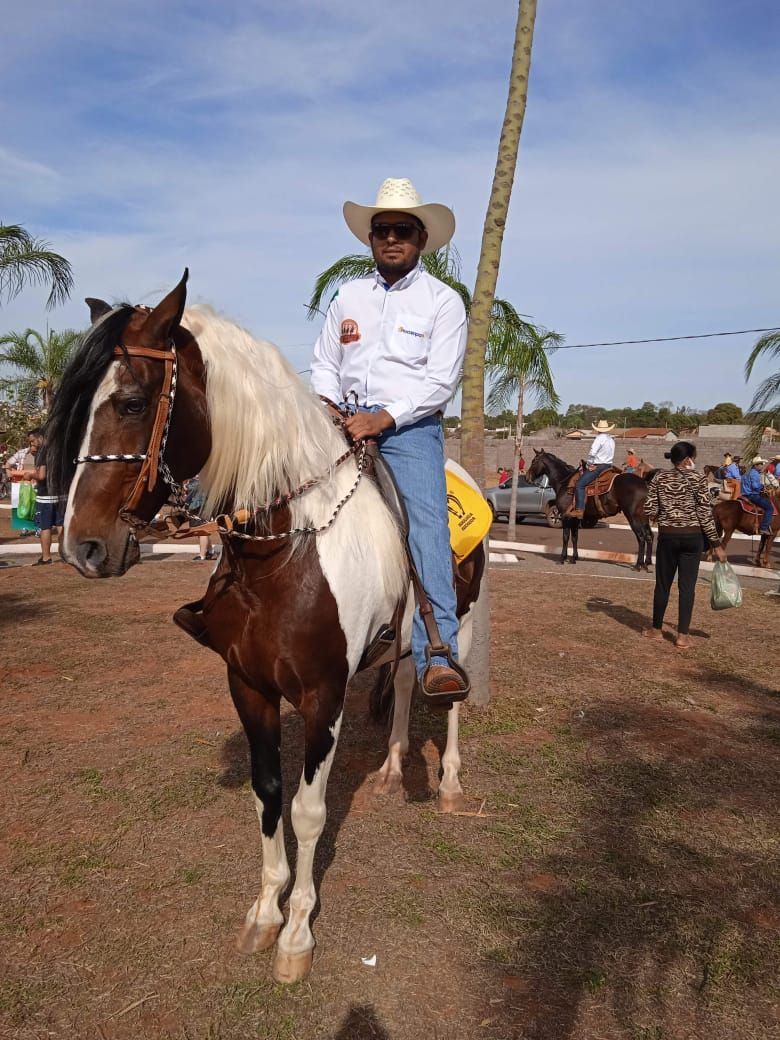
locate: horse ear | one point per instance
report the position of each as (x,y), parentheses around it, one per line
(97,308)
(538,451)
(165,317)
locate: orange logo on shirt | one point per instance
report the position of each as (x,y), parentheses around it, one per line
(350,331)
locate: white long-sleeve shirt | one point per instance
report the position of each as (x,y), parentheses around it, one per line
(400,347)
(602,450)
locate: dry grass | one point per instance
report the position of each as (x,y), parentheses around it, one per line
(622,882)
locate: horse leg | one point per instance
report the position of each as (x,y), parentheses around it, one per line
(575,541)
(295,947)
(391,773)
(639,534)
(565,529)
(450,793)
(648,547)
(260,719)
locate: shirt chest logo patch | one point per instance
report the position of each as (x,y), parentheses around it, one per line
(350,331)
(411,332)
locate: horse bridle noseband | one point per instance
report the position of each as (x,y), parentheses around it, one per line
(153,461)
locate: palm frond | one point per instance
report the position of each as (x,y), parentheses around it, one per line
(355,265)
(24,259)
(767,346)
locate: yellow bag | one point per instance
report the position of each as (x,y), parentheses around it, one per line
(469,516)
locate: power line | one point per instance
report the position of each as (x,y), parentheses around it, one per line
(658,339)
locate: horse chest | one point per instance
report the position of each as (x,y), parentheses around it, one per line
(276,624)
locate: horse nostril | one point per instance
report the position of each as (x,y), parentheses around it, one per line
(91,554)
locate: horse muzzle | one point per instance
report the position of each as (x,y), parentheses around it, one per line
(95,558)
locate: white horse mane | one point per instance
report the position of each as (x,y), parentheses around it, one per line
(270,433)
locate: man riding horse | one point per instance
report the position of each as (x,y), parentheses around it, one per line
(394,342)
(752,488)
(600,457)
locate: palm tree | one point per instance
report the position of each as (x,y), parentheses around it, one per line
(518,365)
(765,406)
(39,361)
(473,410)
(26,259)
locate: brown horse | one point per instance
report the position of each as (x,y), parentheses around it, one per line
(627,495)
(308,578)
(730,516)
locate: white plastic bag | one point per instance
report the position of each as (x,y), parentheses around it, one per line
(725,591)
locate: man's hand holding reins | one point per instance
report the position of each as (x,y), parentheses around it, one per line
(362,425)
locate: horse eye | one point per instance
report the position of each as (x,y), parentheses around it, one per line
(134,405)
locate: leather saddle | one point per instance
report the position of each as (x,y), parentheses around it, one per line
(602,485)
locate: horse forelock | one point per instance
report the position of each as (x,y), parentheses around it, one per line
(73,401)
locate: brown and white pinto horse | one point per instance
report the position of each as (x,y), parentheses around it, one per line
(291,617)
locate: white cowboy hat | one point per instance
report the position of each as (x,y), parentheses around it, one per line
(400,195)
(756,459)
(602,426)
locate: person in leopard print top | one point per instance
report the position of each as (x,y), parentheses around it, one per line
(679,501)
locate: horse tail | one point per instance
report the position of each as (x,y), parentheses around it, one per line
(382,697)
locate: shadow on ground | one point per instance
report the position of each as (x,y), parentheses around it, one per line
(659,907)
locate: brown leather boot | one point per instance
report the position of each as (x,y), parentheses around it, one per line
(574,514)
(442,686)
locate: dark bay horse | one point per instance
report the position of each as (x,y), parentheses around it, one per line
(153,397)
(627,495)
(731,517)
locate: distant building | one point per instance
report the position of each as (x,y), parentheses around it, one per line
(735,433)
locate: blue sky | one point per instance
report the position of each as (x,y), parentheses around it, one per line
(225,136)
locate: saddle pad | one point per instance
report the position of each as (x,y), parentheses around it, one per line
(751,507)
(469,516)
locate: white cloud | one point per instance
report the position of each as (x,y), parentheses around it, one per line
(641,207)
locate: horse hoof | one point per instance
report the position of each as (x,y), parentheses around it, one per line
(450,802)
(256,937)
(292,967)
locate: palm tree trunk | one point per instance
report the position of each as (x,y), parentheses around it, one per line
(518,452)
(472,443)
(473,409)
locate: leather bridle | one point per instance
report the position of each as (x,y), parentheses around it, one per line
(153,461)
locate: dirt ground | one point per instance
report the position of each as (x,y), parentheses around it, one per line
(620,881)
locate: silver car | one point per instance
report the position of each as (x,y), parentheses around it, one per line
(533,499)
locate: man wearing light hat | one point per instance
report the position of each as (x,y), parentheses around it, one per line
(395,341)
(600,457)
(752,489)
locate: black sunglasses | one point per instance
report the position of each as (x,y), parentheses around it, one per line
(403,232)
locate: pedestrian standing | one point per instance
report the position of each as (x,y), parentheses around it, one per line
(679,500)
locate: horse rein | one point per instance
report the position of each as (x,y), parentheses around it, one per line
(153,462)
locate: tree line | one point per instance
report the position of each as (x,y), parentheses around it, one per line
(580,416)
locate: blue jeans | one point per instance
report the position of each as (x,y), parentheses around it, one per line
(415,454)
(769,510)
(587,478)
